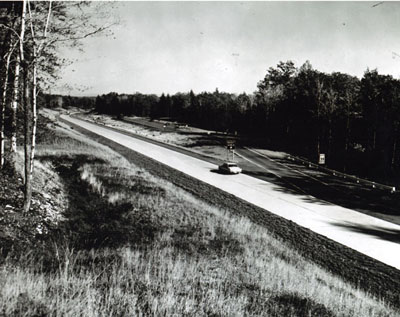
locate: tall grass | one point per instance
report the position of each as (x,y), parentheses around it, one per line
(200,261)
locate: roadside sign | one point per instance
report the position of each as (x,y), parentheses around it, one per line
(321,158)
(230,144)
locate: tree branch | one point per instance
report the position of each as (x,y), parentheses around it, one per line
(10,29)
(47,20)
(31,23)
(9,53)
(99,30)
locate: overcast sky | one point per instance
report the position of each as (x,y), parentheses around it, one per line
(177,46)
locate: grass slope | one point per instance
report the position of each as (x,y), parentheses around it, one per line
(131,240)
(361,271)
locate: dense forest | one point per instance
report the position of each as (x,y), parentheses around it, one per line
(354,122)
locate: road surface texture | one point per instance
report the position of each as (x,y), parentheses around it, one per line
(366,234)
(338,189)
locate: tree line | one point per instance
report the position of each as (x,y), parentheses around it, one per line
(30,34)
(354,122)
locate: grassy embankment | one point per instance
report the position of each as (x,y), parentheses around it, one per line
(130,243)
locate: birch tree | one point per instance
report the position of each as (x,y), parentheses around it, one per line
(50,24)
(40,28)
(30,102)
(7,58)
(9,42)
(16,92)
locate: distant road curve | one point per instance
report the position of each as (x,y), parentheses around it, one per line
(353,229)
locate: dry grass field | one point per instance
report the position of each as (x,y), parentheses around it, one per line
(119,241)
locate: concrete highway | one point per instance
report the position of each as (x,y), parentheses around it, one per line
(361,232)
(296,178)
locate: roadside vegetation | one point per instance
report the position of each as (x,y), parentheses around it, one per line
(299,110)
(117,240)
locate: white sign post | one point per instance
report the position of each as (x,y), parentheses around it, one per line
(321,159)
(230,146)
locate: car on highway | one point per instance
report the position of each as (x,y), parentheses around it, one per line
(229,168)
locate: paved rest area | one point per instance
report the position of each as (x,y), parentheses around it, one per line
(334,222)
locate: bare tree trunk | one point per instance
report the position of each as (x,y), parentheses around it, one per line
(14,107)
(36,52)
(34,116)
(14,104)
(27,145)
(11,48)
(3,104)
(2,122)
(27,108)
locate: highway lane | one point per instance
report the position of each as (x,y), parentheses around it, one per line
(292,172)
(337,223)
(300,179)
